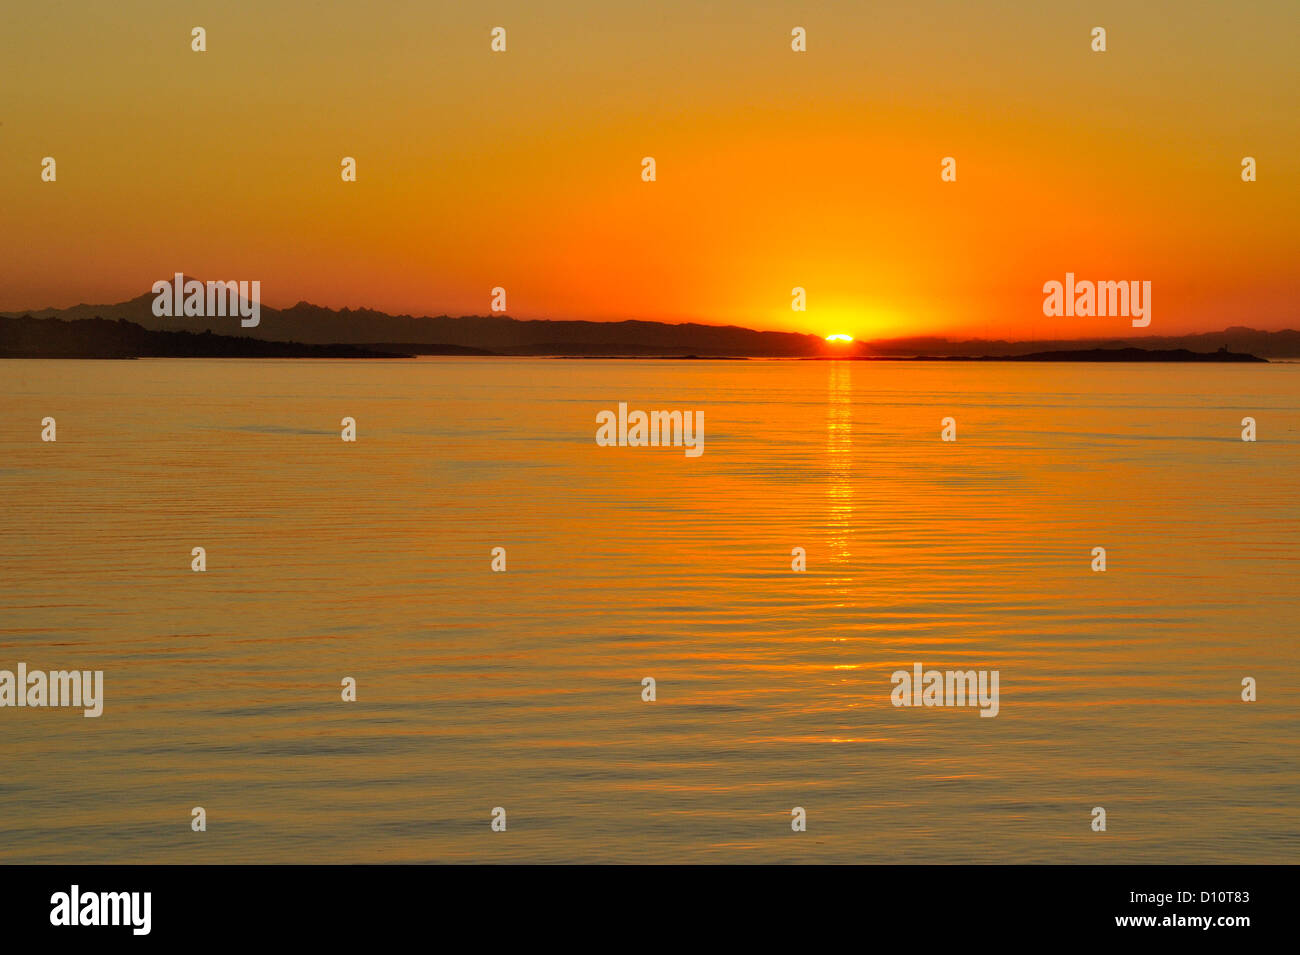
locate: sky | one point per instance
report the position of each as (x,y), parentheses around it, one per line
(775,169)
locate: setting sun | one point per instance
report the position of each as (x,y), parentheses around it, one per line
(839,339)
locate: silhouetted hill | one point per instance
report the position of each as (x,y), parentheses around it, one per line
(1132,354)
(495,334)
(99,338)
(1078,354)
(1127,354)
(1279,344)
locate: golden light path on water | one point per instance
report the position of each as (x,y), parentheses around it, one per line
(523,689)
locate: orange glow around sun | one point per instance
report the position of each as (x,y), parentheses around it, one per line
(524,170)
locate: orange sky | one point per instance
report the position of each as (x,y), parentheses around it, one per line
(775,169)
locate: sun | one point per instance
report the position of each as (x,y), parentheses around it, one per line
(839,339)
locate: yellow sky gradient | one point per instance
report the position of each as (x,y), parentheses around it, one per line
(775,169)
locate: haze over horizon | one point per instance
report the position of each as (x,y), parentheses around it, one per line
(120,310)
(93,330)
(775,169)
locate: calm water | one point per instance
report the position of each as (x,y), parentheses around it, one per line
(522,690)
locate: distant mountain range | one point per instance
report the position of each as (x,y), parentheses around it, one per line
(372,333)
(100,338)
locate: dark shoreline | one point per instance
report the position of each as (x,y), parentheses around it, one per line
(1102,355)
(100,338)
